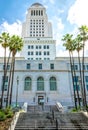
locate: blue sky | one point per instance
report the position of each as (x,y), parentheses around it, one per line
(66,16)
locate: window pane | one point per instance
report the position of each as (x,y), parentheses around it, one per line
(5,82)
(40,66)
(86,78)
(40,84)
(28,66)
(47,47)
(29,47)
(51,66)
(53,84)
(87,87)
(27,83)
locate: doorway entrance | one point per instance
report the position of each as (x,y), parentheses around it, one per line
(40,100)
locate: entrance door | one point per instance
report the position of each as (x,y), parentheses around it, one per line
(40,100)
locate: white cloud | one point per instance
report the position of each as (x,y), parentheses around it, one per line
(78,13)
(52,1)
(12,29)
(61,53)
(57,25)
(60,25)
(60,11)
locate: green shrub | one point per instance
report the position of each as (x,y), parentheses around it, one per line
(2,116)
(74,110)
(7,110)
(10,114)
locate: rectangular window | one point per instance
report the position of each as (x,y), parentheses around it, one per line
(36,52)
(29,47)
(86,79)
(51,66)
(86,67)
(7,67)
(5,81)
(76,67)
(28,52)
(32,53)
(47,46)
(76,83)
(76,87)
(47,52)
(39,52)
(5,99)
(44,47)
(36,47)
(40,66)
(44,52)
(28,66)
(87,87)
(32,47)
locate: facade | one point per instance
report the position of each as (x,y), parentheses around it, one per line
(43,77)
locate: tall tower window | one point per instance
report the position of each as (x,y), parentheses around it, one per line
(40,66)
(31,12)
(41,12)
(28,66)
(51,66)
(34,12)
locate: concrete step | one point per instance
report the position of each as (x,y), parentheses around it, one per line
(44,120)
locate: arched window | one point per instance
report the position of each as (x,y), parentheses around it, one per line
(27,84)
(40,84)
(53,85)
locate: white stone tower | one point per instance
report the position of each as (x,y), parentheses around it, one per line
(37,35)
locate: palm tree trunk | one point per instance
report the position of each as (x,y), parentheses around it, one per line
(9,86)
(13,65)
(80,80)
(73,80)
(84,90)
(76,82)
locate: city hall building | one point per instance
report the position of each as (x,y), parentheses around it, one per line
(42,76)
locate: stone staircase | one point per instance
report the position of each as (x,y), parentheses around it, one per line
(28,121)
(42,119)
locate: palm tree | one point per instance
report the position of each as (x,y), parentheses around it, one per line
(70,47)
(4,40)
(16,44)
(84,36)
(79,47)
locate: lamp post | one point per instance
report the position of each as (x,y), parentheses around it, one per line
(17,79)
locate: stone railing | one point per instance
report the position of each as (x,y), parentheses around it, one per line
(14,120)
